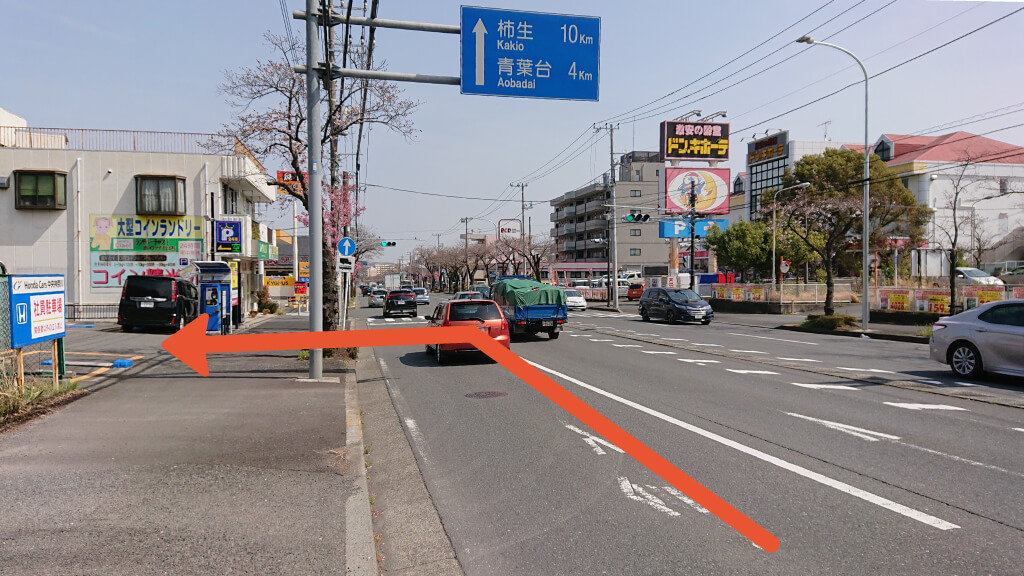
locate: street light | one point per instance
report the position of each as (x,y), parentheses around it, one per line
(774,198)
(688,115)
(865,311)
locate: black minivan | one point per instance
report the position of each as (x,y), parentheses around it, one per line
(157,301)
(673,305)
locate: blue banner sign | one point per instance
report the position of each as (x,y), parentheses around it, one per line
(530,54)
(37,309)
(681,228)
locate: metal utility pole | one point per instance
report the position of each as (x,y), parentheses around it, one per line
(612,284)
(316,217)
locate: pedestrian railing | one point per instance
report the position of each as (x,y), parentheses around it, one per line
(74,312)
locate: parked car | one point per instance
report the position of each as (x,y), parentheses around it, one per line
(574,300)
(673,305)
(483,291)
(580,284)
(422,296)
(484,314)
(365,290)
(988,338)
(400,302)
(975,277)
(377,298)
(1014,277)
(635,291)
(157,301)
(466,295)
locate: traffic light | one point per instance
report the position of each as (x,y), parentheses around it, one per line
(385,243)
(636,218)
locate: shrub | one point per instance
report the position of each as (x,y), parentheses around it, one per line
(834,322)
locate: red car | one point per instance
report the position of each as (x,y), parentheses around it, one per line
(635,291)
(484,314)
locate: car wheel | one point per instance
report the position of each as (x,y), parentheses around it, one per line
(553,334)
(644,315)
(964,359)
(439,355)
(426,349)
(127,327)
(178,324)
(386,315)
(670,316)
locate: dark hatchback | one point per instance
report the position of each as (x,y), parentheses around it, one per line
(674,305)
(157,301)
(400,302)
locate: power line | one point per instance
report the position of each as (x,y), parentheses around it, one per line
(436,194)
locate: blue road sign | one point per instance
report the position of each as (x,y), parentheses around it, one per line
(36,309)
(530,54)
(346,246)
(681,228)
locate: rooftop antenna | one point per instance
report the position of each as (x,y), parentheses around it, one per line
(825,124)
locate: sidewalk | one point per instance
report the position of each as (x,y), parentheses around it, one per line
(163,471)
(777,320)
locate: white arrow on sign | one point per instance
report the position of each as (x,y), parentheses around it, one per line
(479,31)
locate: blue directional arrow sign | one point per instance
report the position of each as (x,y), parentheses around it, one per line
(346,246)
(530,54)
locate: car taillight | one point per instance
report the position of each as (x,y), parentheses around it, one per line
(937,327)
(124,290)
(561,321)
(504,325)
(522,322)
(174,291)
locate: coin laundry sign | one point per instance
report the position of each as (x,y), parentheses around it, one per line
(37,309)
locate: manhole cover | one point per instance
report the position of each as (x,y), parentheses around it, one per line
(488,394)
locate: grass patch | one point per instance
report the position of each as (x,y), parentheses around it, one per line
(925,331)
(833,322)
(303,354)
(17,405)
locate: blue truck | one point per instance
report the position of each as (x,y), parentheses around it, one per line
(531,307)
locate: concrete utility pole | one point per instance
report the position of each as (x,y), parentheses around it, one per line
(316,217)
(613,264)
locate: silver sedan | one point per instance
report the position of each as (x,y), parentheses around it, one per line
(989,338)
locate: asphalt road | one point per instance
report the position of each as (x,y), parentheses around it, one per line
(853,476)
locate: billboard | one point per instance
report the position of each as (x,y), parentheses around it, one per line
(681,228)
(36,309)
(694,140)
(710,184)
(125,245)
(511,229)
(768,148)
(228,236)
(289,179)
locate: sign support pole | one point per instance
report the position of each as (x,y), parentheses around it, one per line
(19,355)
(56,366)
(344,306)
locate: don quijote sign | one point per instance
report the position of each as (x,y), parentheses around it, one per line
(694,140)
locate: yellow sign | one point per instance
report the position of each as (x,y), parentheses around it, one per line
(234,273)
(279,281)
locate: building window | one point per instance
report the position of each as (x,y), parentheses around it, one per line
(229,200)
(634,251)
(634,231)
(637,175)
(884,151)
(1004,186)
(40,190)
(634,193)
(160,195)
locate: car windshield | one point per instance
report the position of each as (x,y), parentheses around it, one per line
(483,291)
(380,292)
(419,291)
(683,296)
(636,286)
(474,311)
(973,272)
(151,286)
(572,293)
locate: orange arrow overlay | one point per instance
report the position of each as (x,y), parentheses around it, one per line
(191,345)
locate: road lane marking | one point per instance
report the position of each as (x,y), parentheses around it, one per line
(862,433)
(798,359)
(932,382)
(748,351)
(752,371)
(959,383)
(911,406)
(770,338)
(636,492)
(593,441)
(389,319)
(639,334)
(657,352)
(824,386)
(1019,429)
(601,340)
(875,370)
(765,457)
(703,344)
(684,498)
(676,339)
(698,361)
(626,345)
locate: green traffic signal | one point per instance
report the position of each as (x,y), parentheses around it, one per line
(385,243)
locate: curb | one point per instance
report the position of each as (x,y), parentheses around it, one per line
(873,336)
(360,550)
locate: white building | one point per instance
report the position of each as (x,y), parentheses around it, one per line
(100,205)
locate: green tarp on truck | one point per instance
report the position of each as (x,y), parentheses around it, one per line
(521,293)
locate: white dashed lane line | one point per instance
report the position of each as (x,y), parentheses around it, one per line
(700,361)
(824,386)
(912,406)
(627,345)
(657,352)
(798,359)
(752,371)
(748,351)
(771,338)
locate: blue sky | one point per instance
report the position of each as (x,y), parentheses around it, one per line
(156,66)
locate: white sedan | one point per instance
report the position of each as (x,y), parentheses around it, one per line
(574,300)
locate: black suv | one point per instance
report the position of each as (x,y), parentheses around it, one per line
(400,301)
(157,301)
(674,304)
